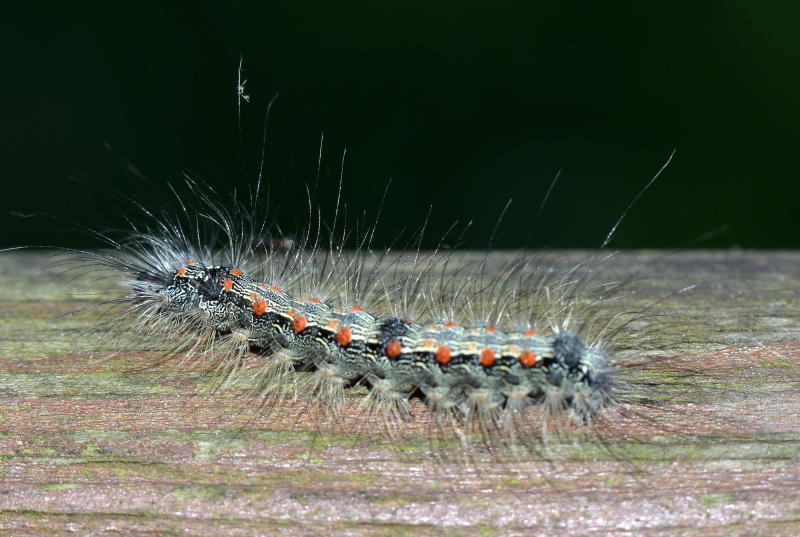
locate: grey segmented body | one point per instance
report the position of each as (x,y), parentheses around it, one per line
(460,336)
(481,369)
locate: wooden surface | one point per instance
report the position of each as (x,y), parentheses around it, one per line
(95,442)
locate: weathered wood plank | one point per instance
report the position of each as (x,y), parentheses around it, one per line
(94,442)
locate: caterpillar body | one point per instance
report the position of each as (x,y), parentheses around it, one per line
(497,352)
(481,366)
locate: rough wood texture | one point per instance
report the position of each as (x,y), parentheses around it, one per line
(99,443)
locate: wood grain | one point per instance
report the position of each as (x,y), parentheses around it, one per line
(95,442)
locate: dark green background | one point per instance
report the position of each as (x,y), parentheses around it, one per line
(464,105)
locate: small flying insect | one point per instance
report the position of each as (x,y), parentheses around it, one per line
(240,86)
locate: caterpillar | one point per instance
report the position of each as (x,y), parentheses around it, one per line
(184,280)
(494,354)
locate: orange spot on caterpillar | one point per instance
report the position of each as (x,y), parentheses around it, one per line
(487,357)
(393,349)
(191,262)
(182,271)
(356,309)
(262,286)
(253,297)
(260,307)
(342,310)
(291,313)
(527,358)
(333,325)
(227,284)
(343,336)
(276,289)
(315,301)
(451,325)
(472,347)
(443,354)
(409,320)
(236,272)
(430,344)
(531,333)
(299,323)
(491,329)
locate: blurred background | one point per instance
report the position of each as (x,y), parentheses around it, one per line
(462,105)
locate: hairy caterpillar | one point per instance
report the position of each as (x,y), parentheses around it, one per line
(495,354)
(700,477)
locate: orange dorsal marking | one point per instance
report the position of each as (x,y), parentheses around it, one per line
(394,349)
